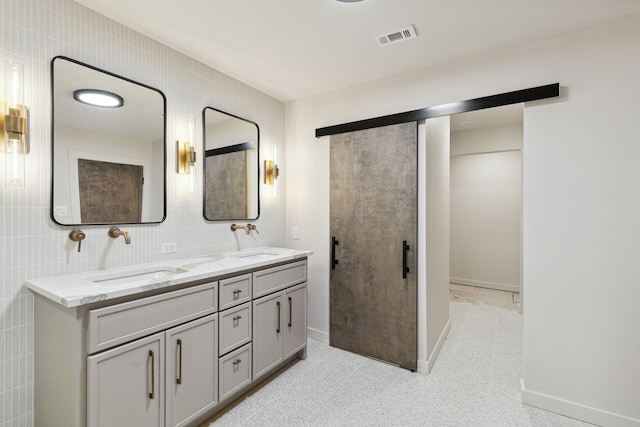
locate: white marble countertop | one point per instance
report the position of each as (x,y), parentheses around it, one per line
(73,290)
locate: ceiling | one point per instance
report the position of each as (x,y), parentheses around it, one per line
(292,49)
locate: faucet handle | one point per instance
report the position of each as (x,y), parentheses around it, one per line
(253,227)
(77,235)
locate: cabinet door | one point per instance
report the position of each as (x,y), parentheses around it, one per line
(125,385)
(295,319)
(268,335)
(191,370)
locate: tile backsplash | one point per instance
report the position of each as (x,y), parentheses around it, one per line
(31,245)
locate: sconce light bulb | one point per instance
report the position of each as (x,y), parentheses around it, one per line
(191,129)
(15,125)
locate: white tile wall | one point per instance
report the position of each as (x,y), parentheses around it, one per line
(31,245)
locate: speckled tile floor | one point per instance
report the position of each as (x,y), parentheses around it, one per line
(484,296)
(475,382)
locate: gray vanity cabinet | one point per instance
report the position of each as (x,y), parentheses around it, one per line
(171,359)
(134,383)
(279,328)
(191,371)
(268,339)
(279,315)
(125,385)
(295,320)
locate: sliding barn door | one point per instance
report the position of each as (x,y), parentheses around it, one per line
(374,240)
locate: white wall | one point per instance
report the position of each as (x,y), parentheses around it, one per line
(486,207)
(434,220)
(581,208)
(34,31)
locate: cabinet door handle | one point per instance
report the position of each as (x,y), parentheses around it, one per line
(290,311)
(278,326)
(153,373)
(235,319)
(179,379)
(237,362)
(236,293)
(405,269)
(334,261)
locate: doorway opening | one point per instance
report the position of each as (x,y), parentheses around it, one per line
(486,206)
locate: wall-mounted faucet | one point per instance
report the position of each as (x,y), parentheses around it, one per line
(247,228)
(115,233)
(77,235)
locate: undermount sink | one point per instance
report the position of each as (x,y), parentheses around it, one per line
(258,253)
(144,274)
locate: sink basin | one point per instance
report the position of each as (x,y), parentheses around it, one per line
(144,274)
(258,253)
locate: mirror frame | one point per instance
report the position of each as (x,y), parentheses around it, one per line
(164,145)
(204,168)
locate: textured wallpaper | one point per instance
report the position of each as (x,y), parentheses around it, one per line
(31,245)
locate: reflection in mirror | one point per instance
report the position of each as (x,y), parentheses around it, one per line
(231,167)
(109,161)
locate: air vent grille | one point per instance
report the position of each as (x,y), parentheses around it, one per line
(397,36)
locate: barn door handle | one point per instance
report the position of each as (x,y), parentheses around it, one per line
(405,269)
(334,261)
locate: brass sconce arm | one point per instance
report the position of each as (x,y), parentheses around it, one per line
(115,232)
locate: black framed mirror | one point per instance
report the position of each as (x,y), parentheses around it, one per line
(231,167)
(108,160)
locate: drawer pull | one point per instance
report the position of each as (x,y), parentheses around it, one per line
(179,379)
(278,326)
(237,362)
(153,373)
(235,319)
(290,312)
(236,293)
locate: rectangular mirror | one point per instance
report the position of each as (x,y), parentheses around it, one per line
(108,147)
(231,167)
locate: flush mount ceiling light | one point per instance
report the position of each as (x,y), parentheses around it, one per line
(98,98)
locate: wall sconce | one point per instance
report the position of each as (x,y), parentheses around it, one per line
(271,172)
(186,156)
(14,141)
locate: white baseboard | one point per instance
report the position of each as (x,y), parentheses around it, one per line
(425,366)
(575,410)
(480,284)
(318,335)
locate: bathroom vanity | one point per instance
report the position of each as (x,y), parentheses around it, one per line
(165,344)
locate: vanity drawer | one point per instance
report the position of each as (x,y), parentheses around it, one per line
(120,323)
(235,371)
(235,328)
(276,278)
(234,291)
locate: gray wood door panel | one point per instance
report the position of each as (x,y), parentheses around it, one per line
(373,309)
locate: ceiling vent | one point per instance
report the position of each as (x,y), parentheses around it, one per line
(405,33)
